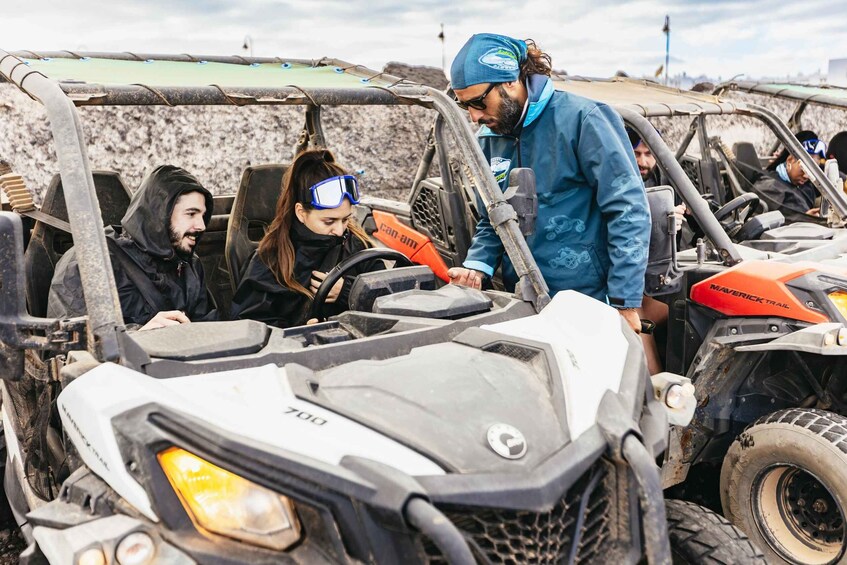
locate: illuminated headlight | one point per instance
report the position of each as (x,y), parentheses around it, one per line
(224,503)
(839,299)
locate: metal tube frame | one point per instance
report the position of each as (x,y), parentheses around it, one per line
(835,196)
(83,207)
(95,265)
(776,92)
(673,170)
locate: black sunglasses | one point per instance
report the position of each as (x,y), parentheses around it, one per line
(476,103)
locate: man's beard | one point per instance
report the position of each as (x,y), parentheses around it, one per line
(509,113)
(176,242)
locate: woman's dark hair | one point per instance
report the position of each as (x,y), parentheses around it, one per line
(801,136)
(276,249)
(537,62)
(838,150)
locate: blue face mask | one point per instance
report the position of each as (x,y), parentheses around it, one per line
(783,173)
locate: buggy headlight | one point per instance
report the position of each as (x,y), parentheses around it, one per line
(839,299)
(222,502)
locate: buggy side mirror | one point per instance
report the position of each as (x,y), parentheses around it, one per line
(522,196)
(662,276)
(18,330)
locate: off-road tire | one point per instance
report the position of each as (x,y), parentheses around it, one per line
(784,482)
(698,535)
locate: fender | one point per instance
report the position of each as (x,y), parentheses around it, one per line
(758,288)
(416,246)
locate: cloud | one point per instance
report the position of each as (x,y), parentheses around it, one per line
(594,38)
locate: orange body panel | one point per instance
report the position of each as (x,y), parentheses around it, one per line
(757,288)
(416,246)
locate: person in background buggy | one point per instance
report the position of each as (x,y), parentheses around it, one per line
(313,230)
(838,150)
(786,187)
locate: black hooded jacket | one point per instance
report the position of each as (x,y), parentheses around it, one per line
(261,297)
(145,240)
(792,201)
(838,151)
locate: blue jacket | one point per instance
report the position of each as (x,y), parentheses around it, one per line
(593,228)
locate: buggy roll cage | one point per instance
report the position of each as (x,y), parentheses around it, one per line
(61,96)
(804,94)
(634,98)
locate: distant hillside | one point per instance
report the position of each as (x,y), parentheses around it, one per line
(430,76)
(216,143)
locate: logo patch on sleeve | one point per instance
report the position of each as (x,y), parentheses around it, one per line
(500,59)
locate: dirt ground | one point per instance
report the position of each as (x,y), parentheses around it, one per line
(11,546)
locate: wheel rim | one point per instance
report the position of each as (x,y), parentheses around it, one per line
(797,515)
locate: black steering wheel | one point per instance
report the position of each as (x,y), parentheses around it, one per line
(332,277)
(747,201)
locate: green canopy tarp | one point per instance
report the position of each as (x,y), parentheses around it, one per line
(153,72)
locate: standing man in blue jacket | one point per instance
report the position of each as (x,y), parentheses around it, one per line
(593,228)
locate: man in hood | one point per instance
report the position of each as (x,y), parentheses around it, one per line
(593,221)
(159,278)
(644,159)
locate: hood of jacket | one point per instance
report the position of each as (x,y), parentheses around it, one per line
(147,220)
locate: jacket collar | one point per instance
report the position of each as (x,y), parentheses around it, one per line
(539,91)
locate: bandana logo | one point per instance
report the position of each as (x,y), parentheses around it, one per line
(500,167)
(500,59)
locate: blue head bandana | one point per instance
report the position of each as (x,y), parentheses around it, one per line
(487,57)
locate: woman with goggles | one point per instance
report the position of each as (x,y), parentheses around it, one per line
(313,230)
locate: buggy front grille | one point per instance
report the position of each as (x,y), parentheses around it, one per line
(426,215)
(691,167)
(539,538)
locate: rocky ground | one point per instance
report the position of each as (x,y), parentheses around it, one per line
(11,546)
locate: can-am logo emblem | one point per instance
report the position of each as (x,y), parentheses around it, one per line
(506,441)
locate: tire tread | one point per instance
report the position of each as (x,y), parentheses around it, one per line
(828,425)
(740,464)
(701,536)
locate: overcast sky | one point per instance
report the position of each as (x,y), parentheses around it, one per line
(588,37)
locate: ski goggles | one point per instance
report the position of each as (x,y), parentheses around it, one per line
(330,193)
(815,147)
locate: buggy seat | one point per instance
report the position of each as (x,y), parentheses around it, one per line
(48,244)
(252,213)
